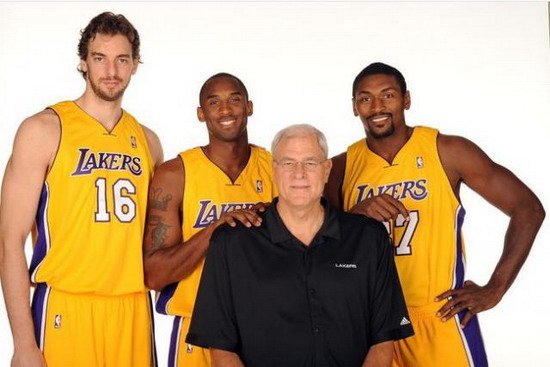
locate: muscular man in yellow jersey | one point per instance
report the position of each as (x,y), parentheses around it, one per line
(80,172)
(193,194)
(410,178)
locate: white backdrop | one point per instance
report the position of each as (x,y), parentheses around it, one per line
(480,70)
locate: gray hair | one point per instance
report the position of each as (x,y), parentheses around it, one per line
(301,130)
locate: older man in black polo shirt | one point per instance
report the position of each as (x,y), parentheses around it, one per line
(311,286)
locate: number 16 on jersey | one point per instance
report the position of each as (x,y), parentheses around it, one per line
(124,207)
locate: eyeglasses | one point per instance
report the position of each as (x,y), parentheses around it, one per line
(290,165)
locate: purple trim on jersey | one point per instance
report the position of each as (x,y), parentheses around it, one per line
(164,297)
(459,262)
(471,333)
(41,246)
(153,344)
(474,341)
(174,342)
(38,309)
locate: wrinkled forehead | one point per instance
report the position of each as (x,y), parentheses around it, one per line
(298,146)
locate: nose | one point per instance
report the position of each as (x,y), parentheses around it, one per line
(378,105)
(225,108)
(111,68)
(299,169)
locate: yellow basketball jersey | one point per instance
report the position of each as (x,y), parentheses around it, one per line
(428,247)
(90,219)
(208,193)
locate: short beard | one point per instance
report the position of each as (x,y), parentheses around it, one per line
(104,96)
(383,134)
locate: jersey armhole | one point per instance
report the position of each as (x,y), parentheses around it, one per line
(51,167)
(447,182)
(182,211)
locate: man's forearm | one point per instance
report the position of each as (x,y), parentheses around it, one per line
(16,286)
(379,355)
(223,358)
(519,239)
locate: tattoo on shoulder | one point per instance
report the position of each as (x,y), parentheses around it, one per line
(157,200)
(158,231)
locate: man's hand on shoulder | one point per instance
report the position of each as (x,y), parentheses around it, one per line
(381,207)
(260,206)
(248,217)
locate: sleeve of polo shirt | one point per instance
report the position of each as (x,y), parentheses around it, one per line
(390,319)
(213,323)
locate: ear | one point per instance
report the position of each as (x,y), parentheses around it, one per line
(355,113)
(249,108)
(328,166)
(407,100)
(136,64)
(83,65)
(200,114)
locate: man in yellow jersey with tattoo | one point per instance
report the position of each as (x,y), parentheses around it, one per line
(193,194)
(410,178)
(80,172)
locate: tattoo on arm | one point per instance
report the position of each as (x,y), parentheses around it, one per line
(158,230)
(158,202)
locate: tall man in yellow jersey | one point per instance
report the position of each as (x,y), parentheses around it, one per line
(410,177)
(193,194)
(81,170)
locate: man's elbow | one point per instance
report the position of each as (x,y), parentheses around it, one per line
(528,211)
(1,257)
(152,284)
(541,213)
(536,212)
(152,278)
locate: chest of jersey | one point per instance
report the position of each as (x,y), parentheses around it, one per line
(427,245)
(208,194)
(93,206)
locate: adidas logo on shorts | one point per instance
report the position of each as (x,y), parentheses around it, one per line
(404,321)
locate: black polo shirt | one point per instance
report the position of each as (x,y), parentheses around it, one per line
(276,302)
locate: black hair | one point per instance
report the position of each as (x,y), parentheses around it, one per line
(380,68)
(222,75)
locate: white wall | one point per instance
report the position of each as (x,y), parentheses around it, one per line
(480,70)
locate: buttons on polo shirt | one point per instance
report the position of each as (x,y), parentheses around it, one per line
(312,291)
(316,329)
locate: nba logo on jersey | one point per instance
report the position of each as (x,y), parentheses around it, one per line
(189,348)
(133,141)
(259,186)
(419,162)
(57,322)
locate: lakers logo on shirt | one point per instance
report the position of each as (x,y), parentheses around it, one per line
(89,161)
(210,212)
(414,189)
